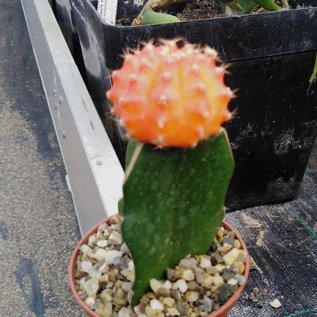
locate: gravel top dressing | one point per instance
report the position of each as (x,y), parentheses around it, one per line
(197,286)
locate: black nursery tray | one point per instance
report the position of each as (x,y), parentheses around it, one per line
(282,240)
(271,58)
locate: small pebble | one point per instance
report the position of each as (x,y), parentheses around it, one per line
(85,266)
(207,304)
(90,301)
(126,286)
(205,263)
(275,303)
(225,292)
(167,284)
(188,275)
(193,285)
(218,280)
(102,243)
(181,285)
(231,256)
(124,312)
(155,285)
(100,255)
(233,282)
(162,291)
(115,238)
(169,301)
(156,305)
(188,263)
(91,240)
(241,280)
(124,249)
(170,274)
(173,312)
(191,296)
(227,275)
(91,287)
(85,248)
(111,255)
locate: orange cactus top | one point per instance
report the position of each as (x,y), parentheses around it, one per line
(171,96)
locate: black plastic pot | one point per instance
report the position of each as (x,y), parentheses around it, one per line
(271,59)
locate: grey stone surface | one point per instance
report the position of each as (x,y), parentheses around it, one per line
(38,226)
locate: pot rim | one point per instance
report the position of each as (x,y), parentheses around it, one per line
(223,309)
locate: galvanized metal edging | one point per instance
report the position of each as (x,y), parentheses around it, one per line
(95,175)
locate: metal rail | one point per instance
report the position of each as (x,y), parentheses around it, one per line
(94,173)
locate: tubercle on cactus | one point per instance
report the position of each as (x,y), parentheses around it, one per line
(171,96)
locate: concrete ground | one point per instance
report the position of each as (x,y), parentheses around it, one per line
(38,226)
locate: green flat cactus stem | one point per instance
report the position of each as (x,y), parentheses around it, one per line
(173,204)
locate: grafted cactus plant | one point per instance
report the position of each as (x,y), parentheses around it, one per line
(172,101)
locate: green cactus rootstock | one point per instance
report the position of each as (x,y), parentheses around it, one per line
(173,204)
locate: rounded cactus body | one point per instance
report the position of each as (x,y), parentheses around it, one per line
(171,96)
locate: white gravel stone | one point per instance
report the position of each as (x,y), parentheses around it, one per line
(167,284)
(91,239)
(207,281)
(115,238)
(107,310)
(181,285)
(90,301)
(188,263)
(124,249)
(233,281)
(173,311)
(275,303)
(126,286)
(91,287)
(155,285)
(102,243)
(94,273)
(207,304)
(111,255)
(85,248)
(231,256)
(156,305)
(220,267)
(191,296)
(168,301)
(85,266)
(124,312)
(241,280)
(100,255)
(188,275)
(218,280)
(205,262)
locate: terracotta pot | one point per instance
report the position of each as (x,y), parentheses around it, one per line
(220,312)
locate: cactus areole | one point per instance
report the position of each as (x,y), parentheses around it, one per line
(172,97)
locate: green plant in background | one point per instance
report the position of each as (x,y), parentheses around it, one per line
(172,101)
(150,13)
